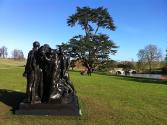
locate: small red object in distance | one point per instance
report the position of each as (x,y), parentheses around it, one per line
(163,77)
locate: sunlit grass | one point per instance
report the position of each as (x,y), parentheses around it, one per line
(104,100)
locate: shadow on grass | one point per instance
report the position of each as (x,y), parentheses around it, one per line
(11,98)
(74,71)
(21,66)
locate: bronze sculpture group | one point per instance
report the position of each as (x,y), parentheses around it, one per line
(47,75)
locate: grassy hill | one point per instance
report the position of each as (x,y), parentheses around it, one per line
(6,63)
(104,100)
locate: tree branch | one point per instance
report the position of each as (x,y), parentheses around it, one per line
(96,29)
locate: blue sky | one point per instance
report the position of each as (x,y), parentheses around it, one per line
(138,22)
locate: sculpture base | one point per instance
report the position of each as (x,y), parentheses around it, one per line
(50,108)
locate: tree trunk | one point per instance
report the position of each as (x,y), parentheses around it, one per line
(150,67)
(88,66)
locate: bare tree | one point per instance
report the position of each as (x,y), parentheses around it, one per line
(3,52)
(166,57)
(0,52)
(149,54)
(17,54)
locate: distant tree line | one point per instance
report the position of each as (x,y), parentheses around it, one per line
(16,53)
(108,65)
(150,60)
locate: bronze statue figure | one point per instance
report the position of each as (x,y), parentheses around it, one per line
(47,75)
(33,74)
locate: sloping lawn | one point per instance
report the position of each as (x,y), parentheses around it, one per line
(104,100)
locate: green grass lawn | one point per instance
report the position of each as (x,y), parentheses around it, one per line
(104,100)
